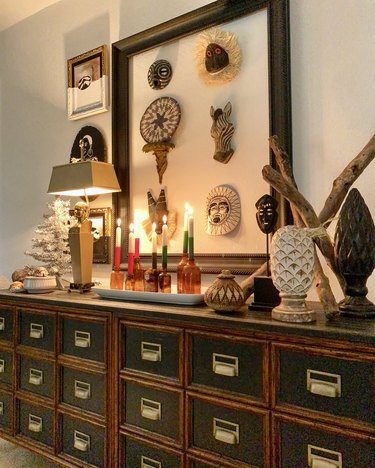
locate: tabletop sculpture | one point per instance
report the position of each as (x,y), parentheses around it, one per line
(266,296)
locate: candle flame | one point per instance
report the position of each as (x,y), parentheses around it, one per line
(165,219)
(131,227)
(118,222)
(187,206)
(153,227)
(190,210)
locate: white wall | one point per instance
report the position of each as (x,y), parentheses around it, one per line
(332,91)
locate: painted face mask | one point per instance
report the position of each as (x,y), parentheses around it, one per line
(216,58)
(266,214)
(159,74)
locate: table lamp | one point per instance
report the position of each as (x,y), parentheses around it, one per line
(82,179)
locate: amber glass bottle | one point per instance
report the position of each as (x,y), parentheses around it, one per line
(191,273)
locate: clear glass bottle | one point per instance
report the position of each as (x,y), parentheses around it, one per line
(117,279)
(139,282)
(165,282)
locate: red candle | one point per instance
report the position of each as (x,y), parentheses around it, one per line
(131,250)
(118,246)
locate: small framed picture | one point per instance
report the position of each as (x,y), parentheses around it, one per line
(88,83)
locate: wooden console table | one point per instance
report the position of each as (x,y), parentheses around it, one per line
(90,382)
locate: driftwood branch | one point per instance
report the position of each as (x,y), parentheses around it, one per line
(345,180)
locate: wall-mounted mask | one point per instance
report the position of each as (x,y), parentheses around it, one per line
(216,58)
(159,74)
(223,210)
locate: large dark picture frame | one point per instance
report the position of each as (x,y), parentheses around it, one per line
(213,14)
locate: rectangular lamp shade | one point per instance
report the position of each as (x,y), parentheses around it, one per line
(83,179)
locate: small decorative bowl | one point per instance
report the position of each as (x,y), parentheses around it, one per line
(39,284)
(224,295)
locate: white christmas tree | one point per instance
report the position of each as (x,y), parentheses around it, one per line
(52,246)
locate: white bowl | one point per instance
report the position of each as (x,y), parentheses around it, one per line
(39,284)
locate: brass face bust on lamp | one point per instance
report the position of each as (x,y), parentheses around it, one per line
(82,179)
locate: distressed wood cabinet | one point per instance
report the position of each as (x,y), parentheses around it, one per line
(89,382)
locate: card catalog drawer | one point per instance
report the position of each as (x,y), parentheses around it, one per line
(83,390)
(6,410)
(317,381)
(6,367)
(305,444)
(140,454)
(6,324)
(151,350)
(229,365)
(83,441)
(37,376)
(239,433)
(155,410)
(37,330)
(84,339)
(36,423)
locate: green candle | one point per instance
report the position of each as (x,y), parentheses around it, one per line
(164,251)
(191,236)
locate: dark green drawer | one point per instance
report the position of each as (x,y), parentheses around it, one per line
(239,434)
(6,324)
(228,365)
(84,339)
(6,410)
(338,386)
(157,411)
(304,445)
(83,441)
(6,367)
(37,376)
(36,423)
(83,390)
(138,454)
(152,351)
(37,330)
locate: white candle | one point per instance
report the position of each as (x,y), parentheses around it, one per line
(191,224)
(164,231)
(118,233)
(131,238)
(186,216)
(154,238)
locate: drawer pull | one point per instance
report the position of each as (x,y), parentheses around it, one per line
(150,409)
(225,365)
(35,423)
(1,408)
(36,331)
(150,351)
(323,383)
(2,366)
(2,323)
(225,431)
(81,441)
(82,390)
(149,463)
(35,377)
(82,339)
(318,457)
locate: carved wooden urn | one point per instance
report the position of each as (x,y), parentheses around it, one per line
(355,254)
(224,294)
(292,269)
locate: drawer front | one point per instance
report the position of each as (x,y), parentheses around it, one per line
(36,423)
(332,385)
(138,454)
(37,376)
(83,390)
(6,410)
(228,365)
(83,441)
(302,445)
(83,339)
(6,324)
(153,410)
(151,351)
(234,433)
(6,367)
(37,330)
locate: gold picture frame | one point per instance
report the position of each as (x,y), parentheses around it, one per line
(88,83)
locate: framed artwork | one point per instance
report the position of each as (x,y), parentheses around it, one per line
(88,83)
(260,102)
(101,219)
